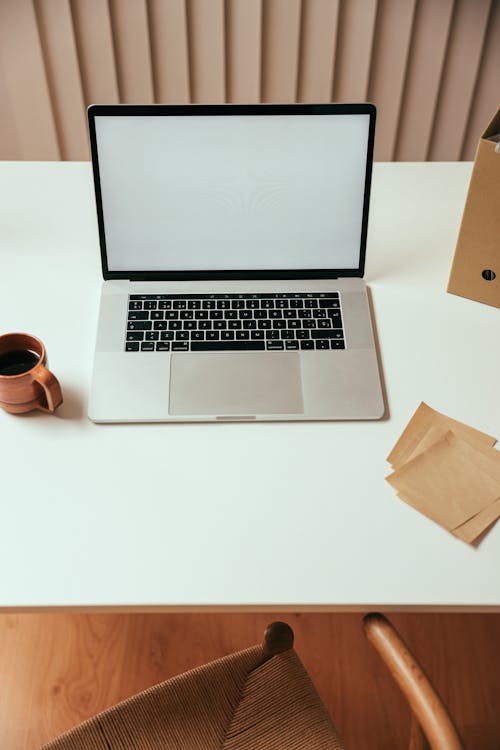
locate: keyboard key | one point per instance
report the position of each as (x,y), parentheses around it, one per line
(147,346)
(252,304)
(259,314)
(208,304)
(219,324)
(179,304)
(272,334)
(190,325)
(308,344)
(223,304)
(227,335)
(150,305)
(171,315)
(230,314)
(267,304)
(305,313)
(302,334)
(274,345)
(241,335)
(138,315)
(213,346)
(319,313)
(275,314)
(264,324)
(166,335)
(310,303)
(135,336)
(322,344)
(156,314)
(132,346)
(174,325)
(151,336)
(329,303)
(256,334)
(291,344)
(296,303)
(201,315)
(165,305)
(135,305)
(337,343)
(140,325)
(308,323)
(289,313)
(325,334)
(161,325)
(212,336)
(324,323)
(163,346)
(238,304)
(336,318)
(233,324)
(245,314)
(198,336)
(279,323)
(186,315)
(249,324)
(205,325)
(216,315)
(194,304)
(295,323)
(281,303)
(182,335)
(180,346)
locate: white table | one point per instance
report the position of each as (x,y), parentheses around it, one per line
(277,516)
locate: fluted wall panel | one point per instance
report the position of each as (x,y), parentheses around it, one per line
(243,51)
(463,59)
(430,66)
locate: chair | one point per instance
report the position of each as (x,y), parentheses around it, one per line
(258,699)
(431,725)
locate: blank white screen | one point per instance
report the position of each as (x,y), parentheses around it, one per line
(234,192)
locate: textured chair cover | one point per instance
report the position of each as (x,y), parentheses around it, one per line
(241,702)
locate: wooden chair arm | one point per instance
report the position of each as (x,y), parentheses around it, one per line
(425,703)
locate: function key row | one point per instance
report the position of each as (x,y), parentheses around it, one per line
(279,295)
(234,304)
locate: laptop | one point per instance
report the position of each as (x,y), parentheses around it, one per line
(233,243)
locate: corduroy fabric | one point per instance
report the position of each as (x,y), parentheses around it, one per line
(235,703)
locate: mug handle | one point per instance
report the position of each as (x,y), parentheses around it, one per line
(51,387)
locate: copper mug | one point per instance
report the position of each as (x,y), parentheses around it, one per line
(25,381)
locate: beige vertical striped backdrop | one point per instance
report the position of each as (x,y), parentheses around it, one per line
(432,67)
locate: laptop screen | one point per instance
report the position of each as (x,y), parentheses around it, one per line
(183,191)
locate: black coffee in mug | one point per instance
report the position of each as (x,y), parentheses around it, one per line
(17,361)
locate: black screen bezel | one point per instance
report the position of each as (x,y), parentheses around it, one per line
(173,110)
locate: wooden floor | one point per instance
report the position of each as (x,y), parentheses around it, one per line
(56,670)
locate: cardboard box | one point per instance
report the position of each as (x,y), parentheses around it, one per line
(475,272)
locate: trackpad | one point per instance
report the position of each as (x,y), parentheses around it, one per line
(235,384)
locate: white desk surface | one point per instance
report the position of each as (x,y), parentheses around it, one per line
(278,516)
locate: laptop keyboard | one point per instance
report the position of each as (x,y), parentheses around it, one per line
(234,322)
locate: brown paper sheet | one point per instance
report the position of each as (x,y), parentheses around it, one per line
(424,419)
(474,527)
(449,482)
